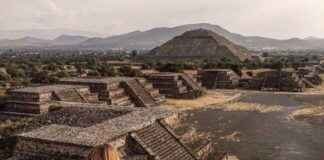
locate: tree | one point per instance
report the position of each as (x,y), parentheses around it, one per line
(129,72)
(52,67)
(94,73)
(276,65)
(237,69)
(134,53)
(107,70)
(4,76)
(44,77)
(16,72)
(265,54)
(62,74)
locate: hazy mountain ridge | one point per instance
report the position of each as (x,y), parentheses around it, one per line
(157,36)
(63,40)
(48,34)
(69,40)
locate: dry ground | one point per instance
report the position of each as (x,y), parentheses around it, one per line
(2,92)
(311,114)
(210,98)
(319,88)
(253,107)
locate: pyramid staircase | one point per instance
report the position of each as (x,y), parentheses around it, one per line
(115,95)
(194,87)
(139,94)
(69,96)
(161,143)
(308,83)
(155,93)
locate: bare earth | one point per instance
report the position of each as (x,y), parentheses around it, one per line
(262,125)
(210,98)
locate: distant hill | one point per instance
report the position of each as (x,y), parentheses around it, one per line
(155,37)
(201,43)
(44,33)
(68,40)
(63,40)
(24,42)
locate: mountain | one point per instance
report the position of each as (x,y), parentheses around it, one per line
(201,43)
(68,40)
(44,33)
(25,42)
(63,40)
(148,39)
(157,36)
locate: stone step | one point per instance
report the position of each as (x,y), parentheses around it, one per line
(162,143)
(142,97)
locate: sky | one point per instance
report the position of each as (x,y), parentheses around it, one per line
(269,18)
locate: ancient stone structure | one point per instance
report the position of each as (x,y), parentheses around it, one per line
(280,81)
(251,83)
(176,85)
(36,100)
(121,91)
(100,133)
(200,43)
(302,71)
(310,76)
(219,78)
(319,68)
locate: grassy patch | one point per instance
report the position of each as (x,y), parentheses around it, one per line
(253,107)
(211,98)
(8,127)
(308,112)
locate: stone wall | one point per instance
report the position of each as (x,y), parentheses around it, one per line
(29,147)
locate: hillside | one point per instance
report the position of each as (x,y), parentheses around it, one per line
(150,39)
(68,40)
(63,40)
(201,43)
(24,42)
(155,37)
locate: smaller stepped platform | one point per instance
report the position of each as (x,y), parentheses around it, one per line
(176,85)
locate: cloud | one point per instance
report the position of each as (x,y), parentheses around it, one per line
(276,18)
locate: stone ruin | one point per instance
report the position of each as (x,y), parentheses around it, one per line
(121,91)
(319,68)
(312,78)
(219,79)
(176,85)
(36,100)
(275,80)
(100,133)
